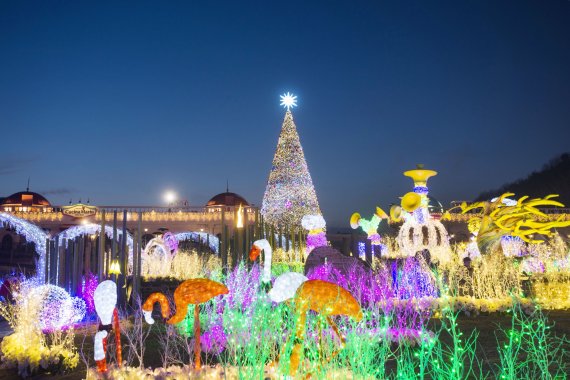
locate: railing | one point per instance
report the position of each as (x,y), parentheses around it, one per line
(149,213)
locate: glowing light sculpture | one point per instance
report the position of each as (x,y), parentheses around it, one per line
(369,226)
(327,299)
(256,248)
(195,292)
(420,231)
(54,307)
(201,237)
(93,229)
(157,244)
(290,193)
(288,100)
(285,286)
(171,242)
(105,299)
(33,234)
(503,217)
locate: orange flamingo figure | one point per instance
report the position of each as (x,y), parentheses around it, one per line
(327,299)
(190,292)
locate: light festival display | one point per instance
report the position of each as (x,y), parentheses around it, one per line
(328,300)
(502,217)
(420,231)
(191,292)
(202,237)
(105,299)
(53,307)
(370,226)
(33,234)
(385,309)
(94,229)
(290,193)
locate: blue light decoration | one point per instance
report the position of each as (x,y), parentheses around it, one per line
(423,190)
(362,250)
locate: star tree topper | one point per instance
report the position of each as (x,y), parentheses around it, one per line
(288,100)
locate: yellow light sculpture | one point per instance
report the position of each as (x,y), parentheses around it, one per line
(420,175)
(522,219)
(411,201)
(369,226)
(115,267)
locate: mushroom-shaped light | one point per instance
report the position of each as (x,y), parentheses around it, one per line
(105,299)
(191,292)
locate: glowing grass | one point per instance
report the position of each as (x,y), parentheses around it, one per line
(250,336)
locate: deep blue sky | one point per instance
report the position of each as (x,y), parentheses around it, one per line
(119,101)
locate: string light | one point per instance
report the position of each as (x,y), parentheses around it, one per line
(94,229)
(200,237)
(33,234)
(290,193)
(54,307)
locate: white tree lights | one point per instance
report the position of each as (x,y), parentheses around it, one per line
(290,193)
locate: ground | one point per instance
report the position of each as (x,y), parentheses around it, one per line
(485,324)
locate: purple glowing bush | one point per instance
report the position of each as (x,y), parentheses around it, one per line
(243,285)
(214,340)
(88,286)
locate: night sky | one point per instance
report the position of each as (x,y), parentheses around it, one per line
(118,102)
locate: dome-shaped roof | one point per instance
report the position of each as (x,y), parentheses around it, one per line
(434,206)
(227,199)
(25,198)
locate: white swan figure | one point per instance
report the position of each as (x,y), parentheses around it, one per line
(286,284)
(256,248)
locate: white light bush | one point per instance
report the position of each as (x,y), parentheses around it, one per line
(28,349)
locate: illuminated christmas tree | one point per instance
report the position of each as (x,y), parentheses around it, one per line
(290,194)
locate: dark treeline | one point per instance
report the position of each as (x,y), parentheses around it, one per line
(553,178)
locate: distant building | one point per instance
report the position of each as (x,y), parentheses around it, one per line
(16,253)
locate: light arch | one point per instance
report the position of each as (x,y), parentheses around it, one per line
(33,234)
